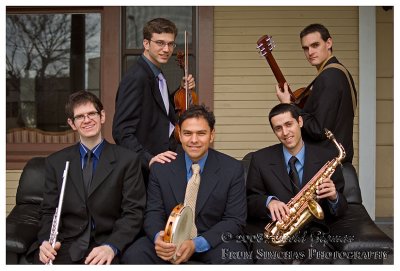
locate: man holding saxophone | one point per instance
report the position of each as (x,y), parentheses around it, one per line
(104,196)
(277,174)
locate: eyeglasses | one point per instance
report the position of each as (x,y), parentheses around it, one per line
(90,115)
(161,43)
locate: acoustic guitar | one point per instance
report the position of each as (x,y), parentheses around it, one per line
(265,45)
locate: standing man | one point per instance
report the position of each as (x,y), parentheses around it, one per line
(333,98)
(272,182)
(144,117)
(220,207)
(104,196)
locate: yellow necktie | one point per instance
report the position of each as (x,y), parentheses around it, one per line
(192,189)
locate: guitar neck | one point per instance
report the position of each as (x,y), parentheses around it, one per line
(277,71)
(265,44)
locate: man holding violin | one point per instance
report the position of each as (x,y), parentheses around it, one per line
(332,99)
(144,114)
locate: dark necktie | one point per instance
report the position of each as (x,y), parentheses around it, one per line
(79,247)
(293,174)
(88,171)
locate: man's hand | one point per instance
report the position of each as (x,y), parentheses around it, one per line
(327,189)
(163,157)
(190,80)
(278,210)
(100,255)
(185,251)
(164,250)
(283,95)
(47,252)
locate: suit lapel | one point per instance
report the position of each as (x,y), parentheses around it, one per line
(104,167)
(312,164)
(157,96)
(155,88)
(208,181)
(178,184)
(75,172)
(278,167)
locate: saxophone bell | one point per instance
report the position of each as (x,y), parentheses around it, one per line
(315,209)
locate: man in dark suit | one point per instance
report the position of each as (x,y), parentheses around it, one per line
(102,213)
(333,99)
(270,185)
(144,120)
(220,210)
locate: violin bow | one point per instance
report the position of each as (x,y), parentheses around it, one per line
(186,71)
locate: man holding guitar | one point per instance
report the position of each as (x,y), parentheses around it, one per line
(330,100)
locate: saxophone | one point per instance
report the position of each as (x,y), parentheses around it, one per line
(304,205)
(57,214)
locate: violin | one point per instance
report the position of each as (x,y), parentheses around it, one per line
(265,44)
(183,97)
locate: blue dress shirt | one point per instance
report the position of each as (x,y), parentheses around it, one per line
(201,244)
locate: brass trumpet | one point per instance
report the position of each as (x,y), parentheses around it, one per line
(304,205)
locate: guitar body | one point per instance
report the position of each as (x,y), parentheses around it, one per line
(301,96)
(265,44)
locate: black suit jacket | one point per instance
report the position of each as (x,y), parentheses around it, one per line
(330,106)
(221,200)
(141,122)
(268,176)
(116,198)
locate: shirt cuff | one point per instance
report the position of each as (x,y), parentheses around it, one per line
(201,244)
(116,251)
(155,237)
(334,204)
(267,202)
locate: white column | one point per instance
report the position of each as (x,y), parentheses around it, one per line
(367,106)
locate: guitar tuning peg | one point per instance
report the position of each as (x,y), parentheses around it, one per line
(271,46)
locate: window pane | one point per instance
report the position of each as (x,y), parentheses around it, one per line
(137,17)
(49,56)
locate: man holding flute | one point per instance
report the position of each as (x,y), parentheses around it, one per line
(104,196)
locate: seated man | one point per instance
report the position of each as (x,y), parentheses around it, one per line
(104,196)
(220,208)
(272,182)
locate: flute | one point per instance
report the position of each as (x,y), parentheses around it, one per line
(56,218)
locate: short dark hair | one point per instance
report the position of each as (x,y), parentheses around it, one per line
(197,111)
(79,98)
(159,26)
(316,28)
(283,108)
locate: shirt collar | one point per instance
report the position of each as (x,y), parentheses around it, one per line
(189,163)
(323,64)
(156,70)
(96,150)
(299,155)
